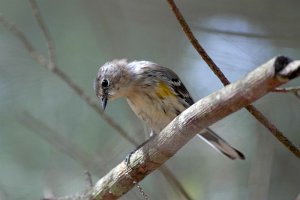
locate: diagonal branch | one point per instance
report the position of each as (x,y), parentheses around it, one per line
(59,142)
(10,26)
(54,68)
(254,111)
(76,153)
(40,59)
(46,34)
(201,51)
(202,114)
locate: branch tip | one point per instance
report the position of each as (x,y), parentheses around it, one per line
(289,69)
(281,62)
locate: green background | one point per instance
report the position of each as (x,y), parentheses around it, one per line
(238,35)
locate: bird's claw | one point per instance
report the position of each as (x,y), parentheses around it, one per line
(127,158)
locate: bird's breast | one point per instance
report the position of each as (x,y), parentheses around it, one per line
(156,111)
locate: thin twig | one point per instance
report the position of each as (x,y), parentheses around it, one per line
(272,128)
(49,42)
(64,145)
(40,59)
(10,26)
(80,92)
(261,167)
(287,89)
(59,142)
(254,111)
(187,30)
(297,95)
(174,180)
(88,179)
(293,90)
(69,197)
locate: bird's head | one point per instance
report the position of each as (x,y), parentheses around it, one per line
(111,81)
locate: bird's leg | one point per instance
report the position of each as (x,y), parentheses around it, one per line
(127,159)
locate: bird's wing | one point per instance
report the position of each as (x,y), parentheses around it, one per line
(180,90)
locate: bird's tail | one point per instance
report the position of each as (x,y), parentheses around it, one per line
(219,144)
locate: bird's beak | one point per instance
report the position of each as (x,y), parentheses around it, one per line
(104,101)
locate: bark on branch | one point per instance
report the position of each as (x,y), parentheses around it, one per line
(50,63)
(212,65)
(202,114)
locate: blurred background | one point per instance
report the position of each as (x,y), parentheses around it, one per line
(49,135)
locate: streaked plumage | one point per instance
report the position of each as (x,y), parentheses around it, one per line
(156,95)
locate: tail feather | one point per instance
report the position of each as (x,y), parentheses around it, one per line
(219,144)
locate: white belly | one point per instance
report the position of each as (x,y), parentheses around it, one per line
(156,114)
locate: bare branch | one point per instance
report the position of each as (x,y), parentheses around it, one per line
(272,128)
(187,30)
(184,127)
(58,141)
(10,26)
(46,34)
(293,90)
(287,89)
(65,146)
(80,92)
(254,111)
(73,151)
(89,180)
(174,182)
(71,197)
(40,59)
(261,167)
(297,95)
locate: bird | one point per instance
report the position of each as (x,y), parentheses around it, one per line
(155,94)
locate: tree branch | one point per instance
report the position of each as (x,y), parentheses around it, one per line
(54,68)
(184,127)
(293,90)
(287,89)
(253,110)
(59,142)
(201,51)
(40,59)
(10,26)
(75,152)
(46,34)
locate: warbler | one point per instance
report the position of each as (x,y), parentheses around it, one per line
(155,94)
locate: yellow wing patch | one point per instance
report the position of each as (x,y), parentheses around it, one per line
(163,90)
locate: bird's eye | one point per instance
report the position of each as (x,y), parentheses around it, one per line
(105,83)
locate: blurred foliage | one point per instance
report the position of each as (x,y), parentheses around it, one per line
(239,35)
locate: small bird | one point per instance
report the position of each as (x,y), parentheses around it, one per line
(155,94)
